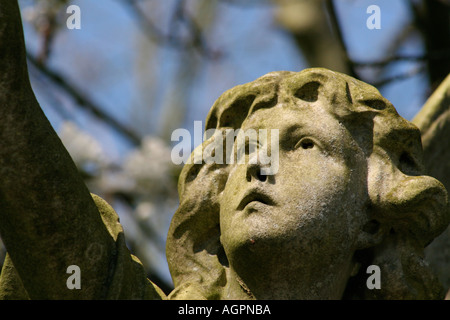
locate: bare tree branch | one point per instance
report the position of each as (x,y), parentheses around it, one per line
(442,55)
(401,76)
(196,41)
(84,101)
(432,18)
(337,28)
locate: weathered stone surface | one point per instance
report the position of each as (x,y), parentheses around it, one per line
(349,192)
(48,219)
(351,195)
(434,123)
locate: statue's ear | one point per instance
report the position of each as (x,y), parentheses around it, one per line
(414,205)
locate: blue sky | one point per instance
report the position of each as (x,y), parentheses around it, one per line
(101,59)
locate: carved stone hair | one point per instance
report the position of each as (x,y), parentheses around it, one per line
(410,209)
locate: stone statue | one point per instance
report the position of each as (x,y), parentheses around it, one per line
(433,120)
(349,193)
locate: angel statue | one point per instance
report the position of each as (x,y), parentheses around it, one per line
(350,191)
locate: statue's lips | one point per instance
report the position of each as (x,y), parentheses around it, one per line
(252,196)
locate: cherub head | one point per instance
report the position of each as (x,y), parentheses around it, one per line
(348,193)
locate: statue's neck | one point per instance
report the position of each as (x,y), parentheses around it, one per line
(283,285)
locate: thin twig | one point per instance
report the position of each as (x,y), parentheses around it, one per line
(196,41)
(197,35)
(416,58)
(399,77)
(54,101)
(383,63)
(154,34)
(337,29)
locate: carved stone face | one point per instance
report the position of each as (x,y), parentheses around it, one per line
(302,223)
(349,178)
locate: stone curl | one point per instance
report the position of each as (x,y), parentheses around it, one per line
(406,211)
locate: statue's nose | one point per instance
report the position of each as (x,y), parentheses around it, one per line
(254,173)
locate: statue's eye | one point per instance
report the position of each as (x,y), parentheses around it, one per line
(375,104)
(305,143)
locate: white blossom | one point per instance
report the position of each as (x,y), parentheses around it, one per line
(82,147)
(150,167)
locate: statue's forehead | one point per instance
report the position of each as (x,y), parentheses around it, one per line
(340,94)
(296,120)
